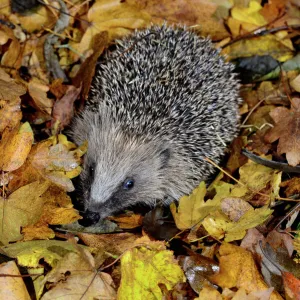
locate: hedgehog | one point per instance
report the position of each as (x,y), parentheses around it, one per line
(161,101)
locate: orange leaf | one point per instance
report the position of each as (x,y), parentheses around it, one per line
(15,147)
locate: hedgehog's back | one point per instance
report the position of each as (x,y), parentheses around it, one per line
(170,83)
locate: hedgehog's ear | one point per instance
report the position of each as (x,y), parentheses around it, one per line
(165,155)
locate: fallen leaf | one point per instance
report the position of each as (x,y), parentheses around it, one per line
(234,208)
(23,207)
(263,45)
(238,270)
(291,286)
(15,147)
(193,209)
(143,268)
(36,232)
(63,109)
(198,269)
(75,277)
(38,92)
(117,18)
(249,14)
(13,286)
(128,221)
(219,225)
(115,243)
(10,89)
(30,254)
(287,131)
(87,69)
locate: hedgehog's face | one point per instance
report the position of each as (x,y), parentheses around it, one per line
(121,173)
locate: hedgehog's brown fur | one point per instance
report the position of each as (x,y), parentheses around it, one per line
(160,103)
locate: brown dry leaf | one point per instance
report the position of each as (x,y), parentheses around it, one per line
(10,92)
(291,286)
(63,109)
(10,89)
(54,159)
(41,18)
(10,114)
(15,147)
(198,269)
(23,207)
(12,285)
(12,57)
(38,92)
(234,208)
(189,12)
(238,270)
(257,142)
(128,221)
(87,68)
(37,232)
(57,208)
(75,277)
(115,243)
(236,159)
(292,186)
(57,88)
(287,130)
(272,9)
(57,157)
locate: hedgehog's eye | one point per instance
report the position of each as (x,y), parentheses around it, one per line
(92,170)
(128,184)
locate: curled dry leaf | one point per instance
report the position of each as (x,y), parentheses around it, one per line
(238,270)
(75,268)
(15,287)
(198,269)
(63,109)
(15,147)
(38,93)
(10,92)
(287,130)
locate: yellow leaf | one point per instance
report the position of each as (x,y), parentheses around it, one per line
(219,225)
(238,270)
(143,269)
(192,209)
(23,207)
(249,15)
(15,147)
(263,45)
(115,17)
(30,253)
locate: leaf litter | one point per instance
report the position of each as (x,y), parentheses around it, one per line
(234,238)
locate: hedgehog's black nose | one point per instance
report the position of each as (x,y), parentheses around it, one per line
(89,218)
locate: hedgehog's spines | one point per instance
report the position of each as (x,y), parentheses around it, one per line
(172,91)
